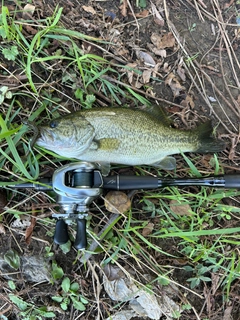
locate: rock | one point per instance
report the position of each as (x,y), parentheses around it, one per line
(32,269)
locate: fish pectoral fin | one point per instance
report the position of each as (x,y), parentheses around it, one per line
(104,167)
(167,163)
(94,145)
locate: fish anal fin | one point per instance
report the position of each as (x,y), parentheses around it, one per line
(104,167)
(167,163)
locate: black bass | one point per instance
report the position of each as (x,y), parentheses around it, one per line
(124,136)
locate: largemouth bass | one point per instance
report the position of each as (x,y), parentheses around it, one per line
(124,136)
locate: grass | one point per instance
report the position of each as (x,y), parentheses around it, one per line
(198,225)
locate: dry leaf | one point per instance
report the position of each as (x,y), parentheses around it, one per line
(148,229)
(113,272)
(29,230)
(160,52)
(146,58)
(2,229)
(228,313)
(130,71)
(174,84)
(146,76)
(89,9)
(123,8)
(142,14)
(166,67)
(181,73)
(162,42)
(158,19)
(180,209)
(188,102)
(117,202)
(28,11)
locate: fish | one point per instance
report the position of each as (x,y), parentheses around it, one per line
(124,136)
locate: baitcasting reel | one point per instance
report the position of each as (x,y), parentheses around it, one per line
(78,184)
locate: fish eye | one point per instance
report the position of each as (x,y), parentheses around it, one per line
(53,124)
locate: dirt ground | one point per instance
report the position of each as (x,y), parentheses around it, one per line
(188,54)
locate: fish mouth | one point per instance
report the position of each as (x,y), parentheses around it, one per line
(44,137)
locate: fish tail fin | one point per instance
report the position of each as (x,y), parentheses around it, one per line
(207,143)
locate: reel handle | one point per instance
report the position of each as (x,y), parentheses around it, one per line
(61,232)
(81,236)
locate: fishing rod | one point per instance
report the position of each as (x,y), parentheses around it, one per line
(78,184)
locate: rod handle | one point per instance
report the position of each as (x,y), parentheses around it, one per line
(61,232)
(81,236)
(232,181)
(118,182)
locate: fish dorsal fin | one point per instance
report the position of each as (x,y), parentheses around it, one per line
(159,113)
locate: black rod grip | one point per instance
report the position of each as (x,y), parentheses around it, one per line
(61,232)
(81,236)
(232,181)
(130,182)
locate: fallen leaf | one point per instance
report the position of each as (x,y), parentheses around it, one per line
(29,230)
(142,14)
(162,42)
(113,272)
(188,102)
(89,9)
(160,52)
(122,315)
(180,209)
(2,229)
(166,67)
(156,39)
(181,73)
(146,76)
(158,19)
(130,71)
(146,58)
(174,84)
(148,229)
(28,11)
(228,313)
(117,202)
(123,8)
(143,303)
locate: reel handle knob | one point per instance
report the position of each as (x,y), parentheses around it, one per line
(81,236)
(61,232)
